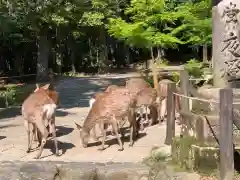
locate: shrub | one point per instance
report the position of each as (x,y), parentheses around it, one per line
(194,67)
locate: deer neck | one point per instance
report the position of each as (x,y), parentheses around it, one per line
(89,122)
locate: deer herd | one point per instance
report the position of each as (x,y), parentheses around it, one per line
(111,108)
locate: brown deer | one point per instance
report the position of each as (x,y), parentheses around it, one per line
(39,111)
(110,109)
(136,85)
(53,95)
(94,98)
(147,97)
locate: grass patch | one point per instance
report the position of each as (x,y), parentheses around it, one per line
(15,94)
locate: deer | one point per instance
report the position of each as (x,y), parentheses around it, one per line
(147,97)
(53,95)
(136,85)
(38,111)
(110,108)
(93,99)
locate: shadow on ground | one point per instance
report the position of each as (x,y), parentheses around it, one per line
(63,147)
(77,91)
(16,111)
(3,137)
(63,131)
(111,141)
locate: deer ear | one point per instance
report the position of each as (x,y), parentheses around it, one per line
(78,126)
(37,88)
(46,86)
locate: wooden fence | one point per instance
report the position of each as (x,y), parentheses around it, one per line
(225,118)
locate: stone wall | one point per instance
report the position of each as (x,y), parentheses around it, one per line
(42,170)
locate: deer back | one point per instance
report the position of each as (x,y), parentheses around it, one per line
(36,100)
(135,85)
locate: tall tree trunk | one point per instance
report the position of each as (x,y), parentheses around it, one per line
(59,59)
(205,53)
(42,60)
(154,71)
(18,65)
(160,53)
(103,66)
(71,52)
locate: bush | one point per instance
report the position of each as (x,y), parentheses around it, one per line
(15,95)
(195,68)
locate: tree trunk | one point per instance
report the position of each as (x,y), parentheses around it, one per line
(160,53)
(42,60)
(59,59)
(154,71)
(71,52)
(205,53)
(18,65)
(127,57)
(103,65)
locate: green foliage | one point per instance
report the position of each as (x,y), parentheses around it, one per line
(196,27)
(149,25)
(194,68)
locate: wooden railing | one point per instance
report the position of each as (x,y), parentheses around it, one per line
(225,118)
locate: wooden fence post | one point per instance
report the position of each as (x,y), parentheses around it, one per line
(226,136)
(184,82)
(170,134)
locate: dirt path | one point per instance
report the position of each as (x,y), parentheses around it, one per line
(74,94)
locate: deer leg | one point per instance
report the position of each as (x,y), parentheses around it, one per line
(39,137)
(52,129)
(44,133)
(103,130)
(146,113)
(29,137)
(141,119)
(115,129)
(35,135)
(133,125)
(94,133)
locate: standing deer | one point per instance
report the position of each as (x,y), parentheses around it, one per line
(53,95)
(136,85)
(110,109)
(39,111)
(147,97)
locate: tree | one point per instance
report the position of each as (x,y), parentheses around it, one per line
(147,27)
(196,28)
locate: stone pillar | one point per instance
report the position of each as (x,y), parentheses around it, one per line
(226,44)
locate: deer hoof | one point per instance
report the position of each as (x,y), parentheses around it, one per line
(37,157)
(101,149)
(28,151)
(130,144)
(121,149)
(57,154)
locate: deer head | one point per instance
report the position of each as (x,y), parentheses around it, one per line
(84,135)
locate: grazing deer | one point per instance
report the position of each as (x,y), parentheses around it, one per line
(110,109)
(94,98)
(39,111)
